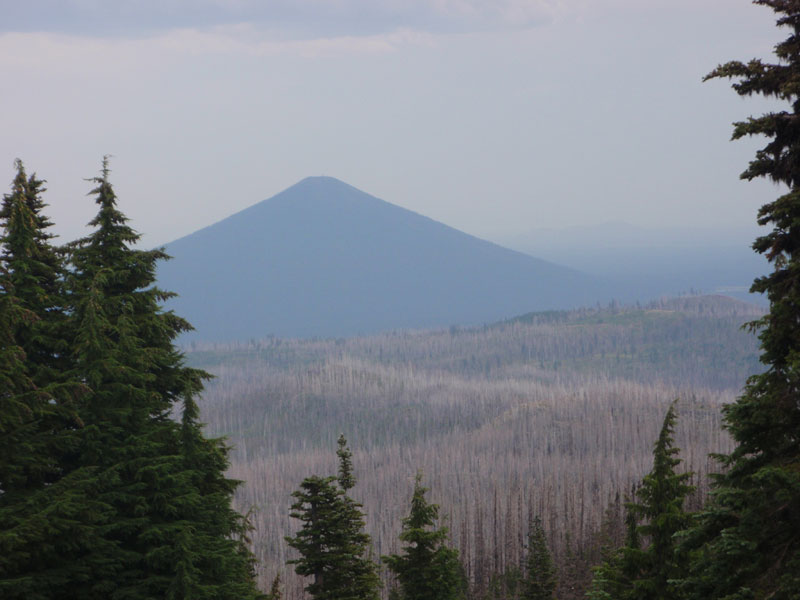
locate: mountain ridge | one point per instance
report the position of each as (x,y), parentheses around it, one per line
(324,259)
(328,180)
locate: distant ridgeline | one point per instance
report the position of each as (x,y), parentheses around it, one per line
(696,341)
(325,259)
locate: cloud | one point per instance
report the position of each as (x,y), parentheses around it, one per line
(252,41)
(292,18)
(66,54)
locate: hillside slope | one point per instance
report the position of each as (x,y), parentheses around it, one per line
(554,413)
(324,259)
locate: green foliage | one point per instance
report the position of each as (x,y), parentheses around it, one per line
(649,572)
(34,275)
(16,413)
(174,530)
(505,585)
(346,478)
(121,501)
(746,542)
(612,579)
(275,589)
(34,337)
(331,541)
(45,513)
(660,507)
(427,569)
(540,574)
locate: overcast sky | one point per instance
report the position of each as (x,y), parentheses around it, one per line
(493,116)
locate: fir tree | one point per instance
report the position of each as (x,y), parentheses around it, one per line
(31,281)
(17,454)
(660,507)
(746,541)
(46,512)
(649,572)
(613,578)
(540,574)
(505,585)
(427,569)
(575,572)
(275,589)
(346,478)
(102,493)
(173,532)
(15,410)
(331,541)
(34,274)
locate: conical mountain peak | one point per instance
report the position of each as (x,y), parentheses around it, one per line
(322,258)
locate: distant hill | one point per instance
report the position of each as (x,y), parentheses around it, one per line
(647,263)
(323,258)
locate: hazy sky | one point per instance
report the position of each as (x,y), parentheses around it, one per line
(493,116)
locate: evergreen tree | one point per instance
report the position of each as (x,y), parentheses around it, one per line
(540,574)
(613,578)
(660,507)
(346,478)
(649,572)
(331,540)
(34,274)
(746,541)
(427,569)
(31,281)
(506,585)
(17,454)
(575,572)
(46,513)
(102,493)
(275,589)
(173,533)
(15,409)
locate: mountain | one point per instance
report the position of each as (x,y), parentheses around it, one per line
(324,259)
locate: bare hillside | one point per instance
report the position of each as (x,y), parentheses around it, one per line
(552,414)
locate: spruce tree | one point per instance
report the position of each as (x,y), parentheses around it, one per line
(427,569)
(540,574)
(331,541)
(747,541)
